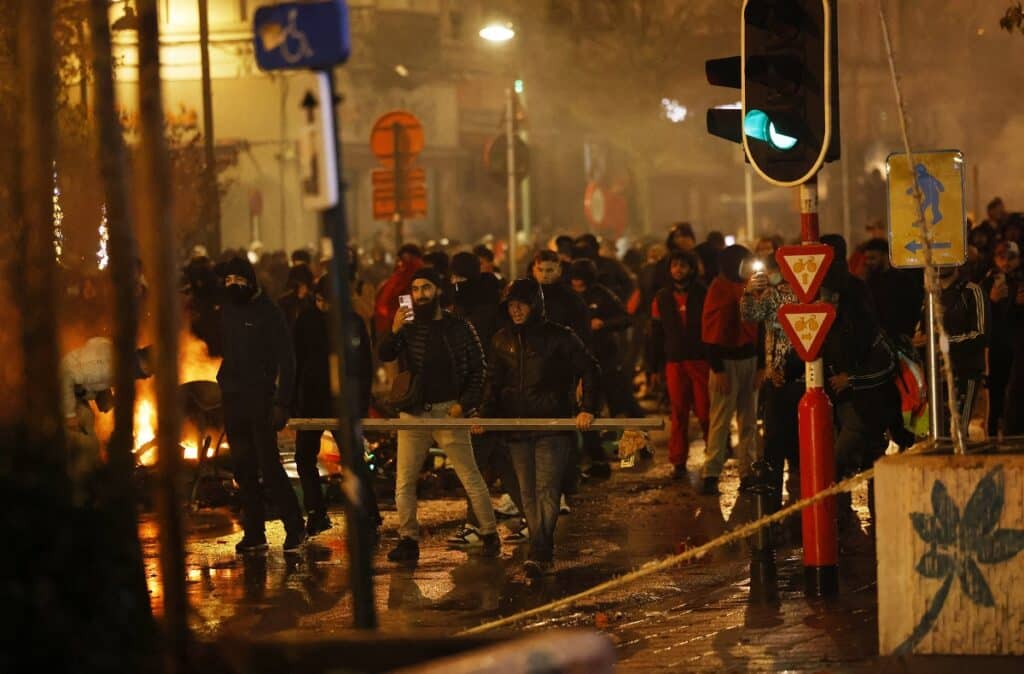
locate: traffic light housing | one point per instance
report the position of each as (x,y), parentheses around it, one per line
(789,87)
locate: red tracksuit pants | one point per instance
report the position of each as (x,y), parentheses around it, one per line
(687,384)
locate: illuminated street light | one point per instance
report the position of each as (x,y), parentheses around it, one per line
(497,32)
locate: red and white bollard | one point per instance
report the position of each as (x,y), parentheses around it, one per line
(817,450)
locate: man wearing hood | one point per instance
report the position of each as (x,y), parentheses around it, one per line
(257,381)
(735,371)
(534,372)
(444,356)
(675,344)
(611,273)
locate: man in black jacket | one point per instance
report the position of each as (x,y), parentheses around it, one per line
(314,400)
(611,273)
(257,380)
(447,363)
(966,317)
(534,373)
(561,304)
(676,344)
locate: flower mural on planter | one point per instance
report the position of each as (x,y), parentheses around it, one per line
(957,545)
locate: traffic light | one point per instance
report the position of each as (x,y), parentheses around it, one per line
(725,122)
(789,87)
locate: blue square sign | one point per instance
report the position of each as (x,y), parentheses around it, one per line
(302,35)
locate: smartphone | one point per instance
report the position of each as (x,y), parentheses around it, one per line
(406,301)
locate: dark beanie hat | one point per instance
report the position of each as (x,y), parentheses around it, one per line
(300,273)
(465,265)
(583,270)
(240,266)
(428,273)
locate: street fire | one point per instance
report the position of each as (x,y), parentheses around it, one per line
(195,364)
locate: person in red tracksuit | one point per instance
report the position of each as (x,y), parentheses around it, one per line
(675,343)
(736,370)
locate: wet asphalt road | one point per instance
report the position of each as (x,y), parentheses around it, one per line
(695,617)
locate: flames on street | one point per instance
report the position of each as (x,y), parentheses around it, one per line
(194,363)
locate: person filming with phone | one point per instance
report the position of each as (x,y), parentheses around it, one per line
(441,374)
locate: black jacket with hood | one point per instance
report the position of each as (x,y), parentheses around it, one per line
(259,361)
(535,367)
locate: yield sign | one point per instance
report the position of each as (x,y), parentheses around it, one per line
(805,267)
(806,326)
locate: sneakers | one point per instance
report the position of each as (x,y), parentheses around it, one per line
(251,544)
(491,545)
(534,569)
(317,524)
(407,550)
(521,536)
(294,540)
(679,472)
(710,486)
(466,537)
(563,506)
(506,507)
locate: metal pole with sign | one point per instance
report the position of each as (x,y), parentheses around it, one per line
(315,36)
(510,167)
(396,133)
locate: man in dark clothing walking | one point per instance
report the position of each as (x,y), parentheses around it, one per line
(534,373)
(314,400)
(965,316)
(561,304)
(610,273)
(298,296)
(1002,285)
(257,380)
(446,361)
(675,344)
(898,295)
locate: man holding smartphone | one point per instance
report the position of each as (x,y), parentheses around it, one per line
(444,355)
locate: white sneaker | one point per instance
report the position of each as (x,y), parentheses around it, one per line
(563,506)
(466,537)
(506,507)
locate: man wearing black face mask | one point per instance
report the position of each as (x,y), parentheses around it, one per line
(675,343)
(257,380)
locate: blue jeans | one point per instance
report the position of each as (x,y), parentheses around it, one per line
(540,463)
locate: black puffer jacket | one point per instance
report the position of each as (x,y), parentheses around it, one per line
(535,367)
(258,356)
(411,344)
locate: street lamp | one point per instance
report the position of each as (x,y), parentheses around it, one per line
(498,32)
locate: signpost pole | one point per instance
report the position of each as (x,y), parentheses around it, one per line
(817,453)
(510,160)
(396,130)
(934,385)
(358,529)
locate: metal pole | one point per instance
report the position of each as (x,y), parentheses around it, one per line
(817,453)
(155,223)
(935,430)
(358,529)
(396,131)
(844,166)
(510,167)
(211,195)
(119,498)
(748,194)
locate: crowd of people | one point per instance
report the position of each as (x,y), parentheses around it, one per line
(685,327)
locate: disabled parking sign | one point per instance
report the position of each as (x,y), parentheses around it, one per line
(939,175)
(310,35)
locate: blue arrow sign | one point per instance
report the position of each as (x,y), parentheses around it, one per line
(302,35)
(916,245)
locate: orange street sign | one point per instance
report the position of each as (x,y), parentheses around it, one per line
(397,130)
(410,177)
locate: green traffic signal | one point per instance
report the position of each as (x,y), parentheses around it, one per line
(757,124)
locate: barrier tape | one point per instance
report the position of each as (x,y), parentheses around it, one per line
(652,568)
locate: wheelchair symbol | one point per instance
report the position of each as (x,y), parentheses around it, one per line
(289,40)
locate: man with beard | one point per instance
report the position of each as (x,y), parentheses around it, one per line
(736,373)
(675,342)
(534,373)
(257,380)
(446,361)
(314,400)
